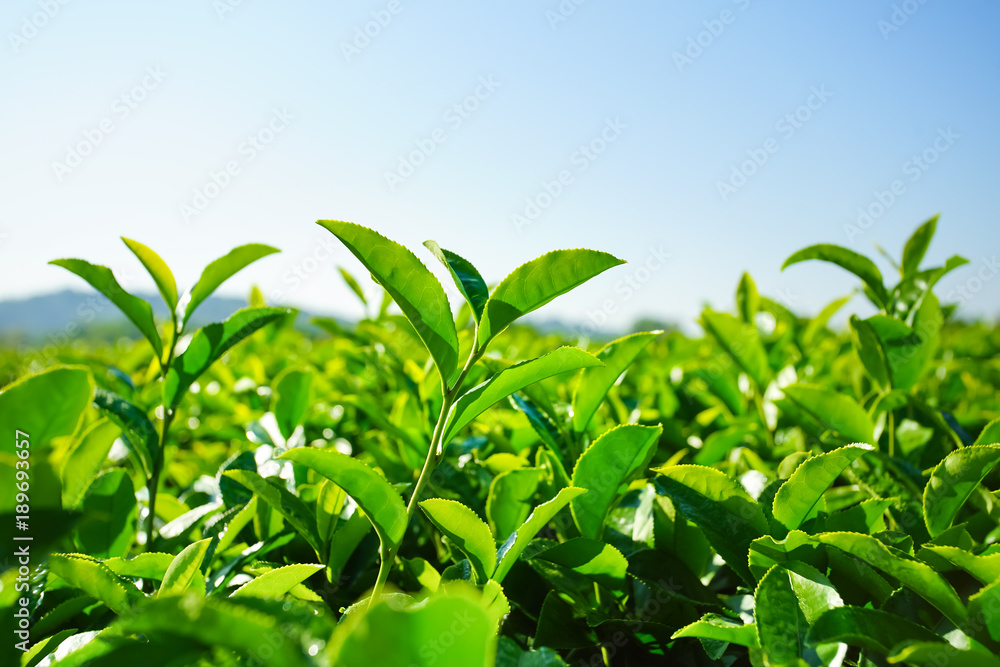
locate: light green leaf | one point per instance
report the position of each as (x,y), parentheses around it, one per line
(96,580)
(721,628)
(151,565)
(236,524)
(535,283)
(363,639)
(985,568)
(109,518)
(138,431)
(834,411)
(46,405)
(466,531)
(380,502)
(412,286)
(353,284)
(741,341)
(747,299)
(596,381)
(158,269)
(818,323)
(788,600)
(514,378)
(291,390)
(296,512)
(869,349)
(466,277)
(915,575)
(952,482)
(916,247)
(277,582)
(329,504)
(857,264)
(799,498)
(508,503)
(725,512)
(990,434)
(84,461)
(593,559)
(931,653)
(511,550)
(135,309)
(221,270)
(606,468)
(185,572)
(208,344)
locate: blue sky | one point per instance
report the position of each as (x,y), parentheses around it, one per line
(615,126)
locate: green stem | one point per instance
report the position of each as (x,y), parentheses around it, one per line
(153,483)
(435,452)
(892,434)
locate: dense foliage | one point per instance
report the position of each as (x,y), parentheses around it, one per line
(433,488)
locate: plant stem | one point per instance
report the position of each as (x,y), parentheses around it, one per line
(892,434)
(153,483)
(435,452)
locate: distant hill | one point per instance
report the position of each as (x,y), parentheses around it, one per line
(39,317)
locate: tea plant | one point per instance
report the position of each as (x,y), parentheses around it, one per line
(429,487)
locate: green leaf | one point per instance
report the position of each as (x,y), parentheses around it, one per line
(466,531)
(412,286)
(606,468)
(158,269)
(329,504)
(983,612)
(353,284)
(535,283)
(952,483)
(596,381)
(741,341)
(870,629)
(220,271)
(722,629)
(466,277)
(135,309)
(241,624)
(296,512)
(834,411)
(514,378)
(96,580)
(817,323)
(508,502)
(109,519)
(916,247)
(240,521)
(208,344)
(985,568)
(869,348)
(151,565)
(593,559)
(277,582)
(138,431)
(447,631)
(511,550)
(932,653)
(908,352)
(990,434)
(46,405)
(85,460)
(915,575)
(788,600)
(747,299)
(380,502)
(725,512)
(857,264)
(185,571)
(291,389)
(800,497)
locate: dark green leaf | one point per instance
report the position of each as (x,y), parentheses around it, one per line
(466,277)
(952,483)
(857,264)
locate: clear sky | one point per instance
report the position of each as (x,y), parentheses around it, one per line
(198,125)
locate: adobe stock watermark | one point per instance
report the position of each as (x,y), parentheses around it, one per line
(454,117)
(364,34)
(303,269)
(121,108)
(224,8)
(32,25)
(634,280)
(786,126)
(899,17)
(581,159)
(914,168)
(967,290)
(248,150)
(704,39)
(562,12)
